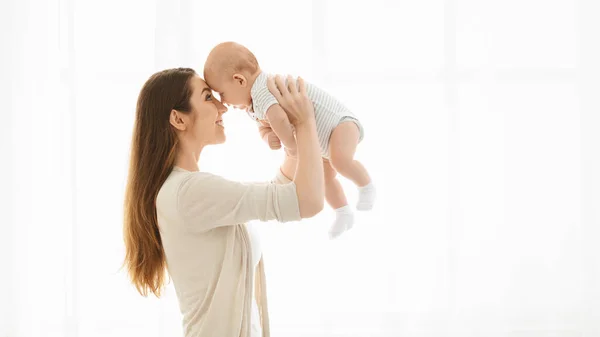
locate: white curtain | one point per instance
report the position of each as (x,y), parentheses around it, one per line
(482,127)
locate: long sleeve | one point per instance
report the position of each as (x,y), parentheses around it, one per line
(206,201)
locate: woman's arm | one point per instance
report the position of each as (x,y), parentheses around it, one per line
(206,201)
(309,172)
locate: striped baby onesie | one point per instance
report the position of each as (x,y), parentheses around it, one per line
(329,112)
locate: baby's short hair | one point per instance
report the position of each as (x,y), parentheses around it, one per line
(228,58)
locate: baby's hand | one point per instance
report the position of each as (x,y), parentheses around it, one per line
(273,140)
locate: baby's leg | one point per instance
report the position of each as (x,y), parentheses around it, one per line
(342,146)
(334,194)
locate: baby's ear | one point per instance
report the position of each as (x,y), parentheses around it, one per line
(240,79)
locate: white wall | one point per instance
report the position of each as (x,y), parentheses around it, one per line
(481,121)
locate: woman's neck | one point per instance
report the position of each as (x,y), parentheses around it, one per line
(187,159)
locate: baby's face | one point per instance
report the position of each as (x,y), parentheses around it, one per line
(233,91)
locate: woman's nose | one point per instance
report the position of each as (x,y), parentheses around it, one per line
(220,107)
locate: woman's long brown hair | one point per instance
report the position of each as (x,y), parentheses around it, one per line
(153,151)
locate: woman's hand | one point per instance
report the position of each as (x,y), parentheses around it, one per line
(293,99)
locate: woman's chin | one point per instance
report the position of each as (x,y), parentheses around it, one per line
(220,140)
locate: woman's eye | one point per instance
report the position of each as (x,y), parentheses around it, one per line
(208,97)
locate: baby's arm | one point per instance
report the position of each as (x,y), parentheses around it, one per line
(264,129)
(281,125)
(267,134)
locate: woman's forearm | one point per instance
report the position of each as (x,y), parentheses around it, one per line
(309,172)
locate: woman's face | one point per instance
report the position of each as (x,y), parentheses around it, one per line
(205,121)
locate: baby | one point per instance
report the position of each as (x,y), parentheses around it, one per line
(233,71)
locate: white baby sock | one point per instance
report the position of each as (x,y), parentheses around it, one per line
(344,220)
(366,197)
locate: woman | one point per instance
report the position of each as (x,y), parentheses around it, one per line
(192,222)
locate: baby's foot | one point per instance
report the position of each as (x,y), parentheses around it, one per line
(344,220)
(366,197)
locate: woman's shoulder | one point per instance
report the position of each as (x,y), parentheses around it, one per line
(205,183)
(208,184)
(181,178)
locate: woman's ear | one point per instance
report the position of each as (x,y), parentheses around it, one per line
(240,79)
(176,119)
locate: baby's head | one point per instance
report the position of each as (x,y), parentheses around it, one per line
(230,70)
